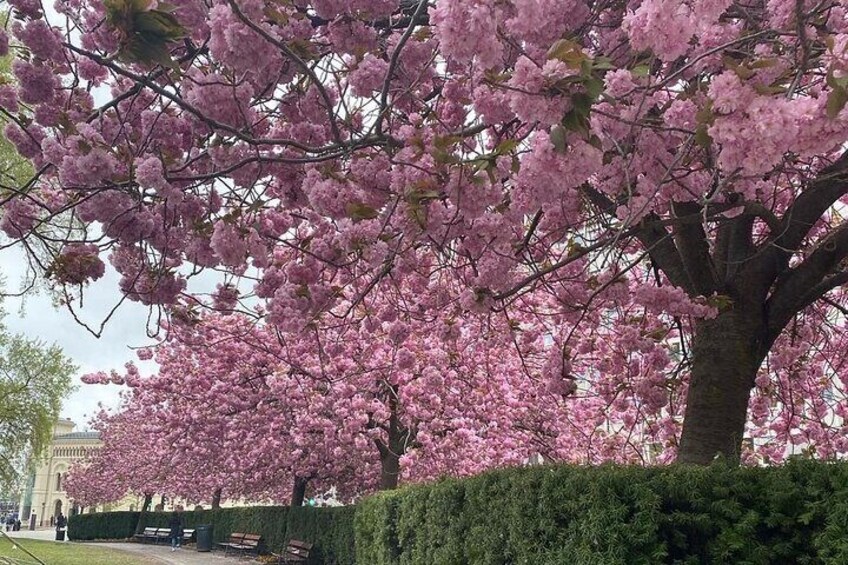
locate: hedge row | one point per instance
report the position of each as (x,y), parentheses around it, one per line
(103,525)
(606,515)
(330,529)
(613,515)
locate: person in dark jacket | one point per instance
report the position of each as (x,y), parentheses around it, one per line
(61,524)
(176,525)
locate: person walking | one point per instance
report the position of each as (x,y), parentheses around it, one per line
(61,524)
(176,525)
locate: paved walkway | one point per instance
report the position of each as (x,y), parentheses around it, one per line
(42,534)
(185,556)
(162,553)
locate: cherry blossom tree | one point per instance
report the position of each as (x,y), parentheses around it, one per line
(235,411)
(665,177)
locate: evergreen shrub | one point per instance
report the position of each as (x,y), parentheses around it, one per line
(606,515)
(103,525)
(611,515)
(330,529)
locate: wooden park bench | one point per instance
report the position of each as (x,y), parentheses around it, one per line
(153,534)
(161,534)
(147,534)
(239,541)
(296,552)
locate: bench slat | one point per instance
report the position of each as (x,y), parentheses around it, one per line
(298,543)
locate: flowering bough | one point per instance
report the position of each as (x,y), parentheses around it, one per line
(586,159)
(233,411)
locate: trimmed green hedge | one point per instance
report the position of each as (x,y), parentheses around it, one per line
(607,515)
(103,525)
(270,521)
(330,529)
(612,515)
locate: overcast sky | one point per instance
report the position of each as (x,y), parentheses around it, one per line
(40,319)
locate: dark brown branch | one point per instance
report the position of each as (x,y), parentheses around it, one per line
(654,237)
(801,216)
(691,242)
(801,286)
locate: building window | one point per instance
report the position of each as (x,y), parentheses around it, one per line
(58,481)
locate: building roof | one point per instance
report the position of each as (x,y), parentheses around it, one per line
(79,435)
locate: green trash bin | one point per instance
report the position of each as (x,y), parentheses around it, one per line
(204,537)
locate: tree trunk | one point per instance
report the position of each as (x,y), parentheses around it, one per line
(389,469)
(216,498)
(727,351)
(298,491)
(391,451)
(142,516)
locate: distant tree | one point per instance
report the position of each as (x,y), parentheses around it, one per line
(13,167)
(34,378)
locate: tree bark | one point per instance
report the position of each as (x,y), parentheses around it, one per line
(727,351)
(216,498)
(389,469)
(391,451)
(145,508)
(298,491)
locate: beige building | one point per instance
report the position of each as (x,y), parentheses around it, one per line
(45,495)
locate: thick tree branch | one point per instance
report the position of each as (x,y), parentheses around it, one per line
(694,251)
(656,239)
(815,293)
(801,286)
(801,216)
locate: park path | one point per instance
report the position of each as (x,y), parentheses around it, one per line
(162,553)
(185,556)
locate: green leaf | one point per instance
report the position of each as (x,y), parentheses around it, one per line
(506,146)
(720,301)
(836,100)
(567,51)
(704,118)
(602,64)
(836,82)
(558,139)
(156,24)
(576,122)
(641,70)
(594,87)
(773,89)
(146,33)
(444,157)
(702,136)
(741,70)
(358,211)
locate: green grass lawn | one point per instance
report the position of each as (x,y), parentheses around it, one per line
(53,553)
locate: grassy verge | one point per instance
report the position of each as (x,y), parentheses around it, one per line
(53,553)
